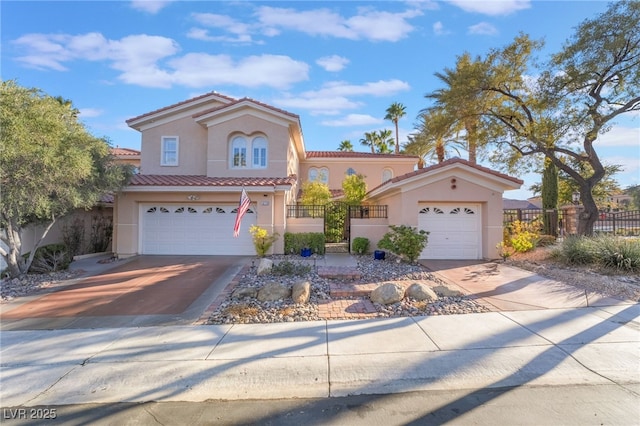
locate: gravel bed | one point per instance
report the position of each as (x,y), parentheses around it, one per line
(33,284)
(250,310)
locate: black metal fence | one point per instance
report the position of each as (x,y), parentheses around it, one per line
(626,223)
(355,212)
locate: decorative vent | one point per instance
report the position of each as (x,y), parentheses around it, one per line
(469,211)
(219,210)
(437,211)
(191,210)
(208,210)
(424,211)
(152,210)
(163,210)
(455,211)
(179,210)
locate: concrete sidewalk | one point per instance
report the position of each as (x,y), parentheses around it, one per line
(324,358)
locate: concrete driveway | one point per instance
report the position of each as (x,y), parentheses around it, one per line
(143,291)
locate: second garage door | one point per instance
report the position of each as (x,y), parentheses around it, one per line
(194,229)
(454,230)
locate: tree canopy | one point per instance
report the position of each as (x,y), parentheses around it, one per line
(49,166)
(355,189)
(394,113)
(315,193)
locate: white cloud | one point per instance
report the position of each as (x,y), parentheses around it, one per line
(368,24)
(376,88)
(491,7)
(139,58)
(353,120)
(90,112)
(621,136)
(241,32)
(438,29)
(483,28)
(332,63)
(318,105)
(150,6)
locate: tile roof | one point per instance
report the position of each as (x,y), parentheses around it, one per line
(198,180)
(124,152)
(354,154)
(454,160)
(179,104)
(238,101)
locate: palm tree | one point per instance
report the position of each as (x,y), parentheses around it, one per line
(460,101)
(369,140)
(394,113)
(435,138)
(345,145)
(383,140)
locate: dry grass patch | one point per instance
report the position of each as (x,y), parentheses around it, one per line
(286,311)
(241,310)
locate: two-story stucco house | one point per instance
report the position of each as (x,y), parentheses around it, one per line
(197,155)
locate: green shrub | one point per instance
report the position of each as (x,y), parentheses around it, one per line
(262,241)
(618,253)
(577,250)
(287,268)
(360,245)
(50,258)
(404,241)
(294,242)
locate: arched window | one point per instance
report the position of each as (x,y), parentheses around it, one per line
(350,171)
(319,175)
(238,152)
(259,146)
(387,174)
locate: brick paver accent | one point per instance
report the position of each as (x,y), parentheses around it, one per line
(339,272)
(346,309)
(222,296)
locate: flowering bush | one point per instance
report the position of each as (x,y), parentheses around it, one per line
(262,241)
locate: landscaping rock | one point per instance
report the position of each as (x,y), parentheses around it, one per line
(387,293)
(446,291)
(241,293)
(273,291)
(301,292)
(264,267)
(420,291)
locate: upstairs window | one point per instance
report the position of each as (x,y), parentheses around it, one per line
(259,153)
(319,175)
(248,154)
(387,174)
(238,152)
(169,151)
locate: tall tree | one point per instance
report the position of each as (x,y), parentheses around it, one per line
(383,141)
(461,100)
(394,113)
(369,140)
(435,136)
(345,145)
(592,81)
(49,166)
(355,189)
(549,196)
(315,193)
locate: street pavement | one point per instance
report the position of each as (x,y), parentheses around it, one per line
(473,355)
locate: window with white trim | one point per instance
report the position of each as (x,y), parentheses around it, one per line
(238,152)
(169,151)
(387,174)
(244,154)
(319,175)
(259,159)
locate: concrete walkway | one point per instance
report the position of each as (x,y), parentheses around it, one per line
(549,347)
(535,345)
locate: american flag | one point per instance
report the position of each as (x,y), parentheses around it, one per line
(242,209)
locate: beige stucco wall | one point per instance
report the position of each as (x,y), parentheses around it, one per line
(269,208)
(372,169)
(373,229)
(220,135)
(192,149)
(404,206)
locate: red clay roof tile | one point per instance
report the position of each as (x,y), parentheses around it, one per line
(180,103)
(235,102)
(353,154)
(124,152)
(198,180)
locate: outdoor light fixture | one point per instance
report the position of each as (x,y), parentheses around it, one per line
(576,197)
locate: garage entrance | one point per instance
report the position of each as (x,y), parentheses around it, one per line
(454,230)
(194,229)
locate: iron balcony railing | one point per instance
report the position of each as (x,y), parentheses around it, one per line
(354,212)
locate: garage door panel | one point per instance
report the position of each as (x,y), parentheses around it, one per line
(454,230)
(194,229)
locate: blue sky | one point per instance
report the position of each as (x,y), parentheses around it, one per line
(338,65)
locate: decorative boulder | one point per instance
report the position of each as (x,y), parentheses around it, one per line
(301,292)
(419,291)
(387,293)
(241,293)
(273,291)
(264,267)
(447,292)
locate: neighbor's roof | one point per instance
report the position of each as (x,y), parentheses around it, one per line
(353,154)
(198,180)
(124,152)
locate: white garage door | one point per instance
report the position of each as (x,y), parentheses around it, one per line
(454,231)
(194,229)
